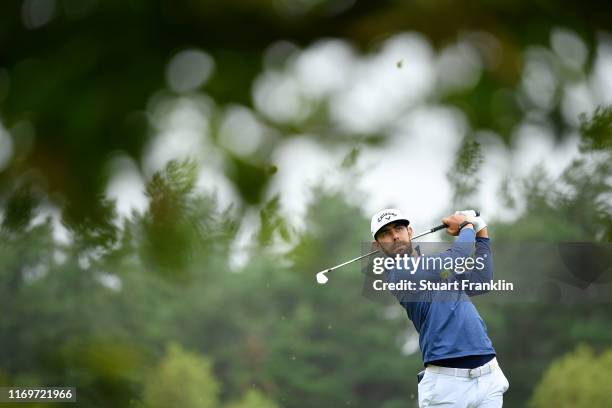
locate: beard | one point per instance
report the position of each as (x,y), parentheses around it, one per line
(399,248)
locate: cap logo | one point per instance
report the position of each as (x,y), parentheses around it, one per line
(386,215)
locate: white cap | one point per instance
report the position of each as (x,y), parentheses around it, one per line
(384,217)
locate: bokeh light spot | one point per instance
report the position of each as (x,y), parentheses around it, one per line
(188,70)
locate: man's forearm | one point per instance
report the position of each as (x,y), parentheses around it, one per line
(463,245)
(478,275)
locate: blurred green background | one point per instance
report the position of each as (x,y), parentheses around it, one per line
(174,173)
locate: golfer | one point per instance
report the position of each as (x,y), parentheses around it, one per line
(461,368)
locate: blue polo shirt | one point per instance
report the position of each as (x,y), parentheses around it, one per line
(448,323)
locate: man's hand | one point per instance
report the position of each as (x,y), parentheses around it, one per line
(480,226)
(453,222)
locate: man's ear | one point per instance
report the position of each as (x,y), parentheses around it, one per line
(410,231)
(375,245)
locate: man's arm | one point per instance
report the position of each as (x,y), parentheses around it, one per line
(463,245)
(431,267)
(463,248)
(483,267)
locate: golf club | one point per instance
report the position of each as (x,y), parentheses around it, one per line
(322,278)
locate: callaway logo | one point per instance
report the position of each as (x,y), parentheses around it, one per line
(386,215)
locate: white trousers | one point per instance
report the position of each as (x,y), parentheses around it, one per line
(444,390)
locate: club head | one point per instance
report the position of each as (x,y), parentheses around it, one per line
(322,278)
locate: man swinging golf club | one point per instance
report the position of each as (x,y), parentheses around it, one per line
(461,368)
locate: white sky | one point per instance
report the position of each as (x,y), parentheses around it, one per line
(409,172)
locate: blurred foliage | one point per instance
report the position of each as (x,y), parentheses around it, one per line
(94,228)
(98,308)
(20,208)
(577,205)
(575,380)
(181,379)
(463,176)
(173,222)
(101,322)
(250,179)
(597,130)
(272,222)
(75,93)
(252,399)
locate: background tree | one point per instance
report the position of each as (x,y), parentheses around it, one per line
(571,381)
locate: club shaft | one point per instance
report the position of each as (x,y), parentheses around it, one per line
(439,227)
(351,261)
(434,229)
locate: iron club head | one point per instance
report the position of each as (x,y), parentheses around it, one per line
(322,278)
